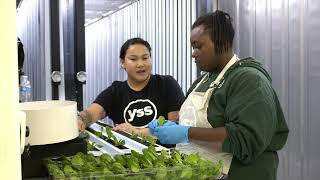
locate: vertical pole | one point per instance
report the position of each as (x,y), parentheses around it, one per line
(55,45)
(79,44)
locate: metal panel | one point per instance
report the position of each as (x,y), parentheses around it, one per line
(32,28)
(162,58)
(284,36)
(193,13)
(188,50)
(175,32)
(172,31)
(161,23)
(167,40)
(180,29)
(313,52)
(68,50)
(46,53)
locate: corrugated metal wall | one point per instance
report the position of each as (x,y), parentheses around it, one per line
(32,28)
(165,24)
(284,36)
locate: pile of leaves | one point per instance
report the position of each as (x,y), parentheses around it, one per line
(147,165)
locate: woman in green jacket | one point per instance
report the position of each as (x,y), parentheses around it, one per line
(233,104)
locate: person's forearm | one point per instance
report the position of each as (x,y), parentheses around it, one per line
(89,118)
(208,134)
(86,118)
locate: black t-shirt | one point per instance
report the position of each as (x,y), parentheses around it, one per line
(161,95)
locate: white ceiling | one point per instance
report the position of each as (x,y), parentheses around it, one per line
(95,9)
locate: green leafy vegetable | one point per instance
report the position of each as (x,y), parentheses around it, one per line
(106,171)
(117,142)
(99,134)
(164,153)
(161,120)
(120,159)
(54,169)
(106,158)
(119,168)
(77,161)
(150,140)
(108,131)
(133,164)
(87,135)
(143,139)
(186,173)
(134,135)
(67,169)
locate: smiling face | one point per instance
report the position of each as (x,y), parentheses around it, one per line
(203,49)
(137,63)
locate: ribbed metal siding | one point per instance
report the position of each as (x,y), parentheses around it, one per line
(31,19)
(165,24)
(284,36)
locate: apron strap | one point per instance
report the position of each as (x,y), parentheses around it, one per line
(204,77)
(220,77)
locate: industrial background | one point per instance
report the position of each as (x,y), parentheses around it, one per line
(282,34)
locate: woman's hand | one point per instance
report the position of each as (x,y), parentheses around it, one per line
(125,127)
(131,129)
(81,125)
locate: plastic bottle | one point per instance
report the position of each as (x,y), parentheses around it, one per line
(25,89)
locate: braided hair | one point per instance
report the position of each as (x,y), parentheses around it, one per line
(219,25)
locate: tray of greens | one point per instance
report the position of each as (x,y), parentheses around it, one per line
(146,165)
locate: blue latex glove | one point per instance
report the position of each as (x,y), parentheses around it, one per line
(172,134)
(154,124)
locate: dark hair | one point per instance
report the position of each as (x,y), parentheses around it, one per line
(133,41)
(219,25)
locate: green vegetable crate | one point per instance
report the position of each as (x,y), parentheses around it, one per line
(123,156)
(140,166)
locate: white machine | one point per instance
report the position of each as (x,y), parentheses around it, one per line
(52,130)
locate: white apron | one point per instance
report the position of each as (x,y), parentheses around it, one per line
(193,113)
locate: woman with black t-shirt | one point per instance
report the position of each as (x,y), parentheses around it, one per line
(133,103)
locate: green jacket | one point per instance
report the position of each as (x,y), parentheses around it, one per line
(246,104)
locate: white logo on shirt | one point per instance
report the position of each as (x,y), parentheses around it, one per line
(145,108)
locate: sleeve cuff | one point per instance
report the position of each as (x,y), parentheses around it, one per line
(227,145)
